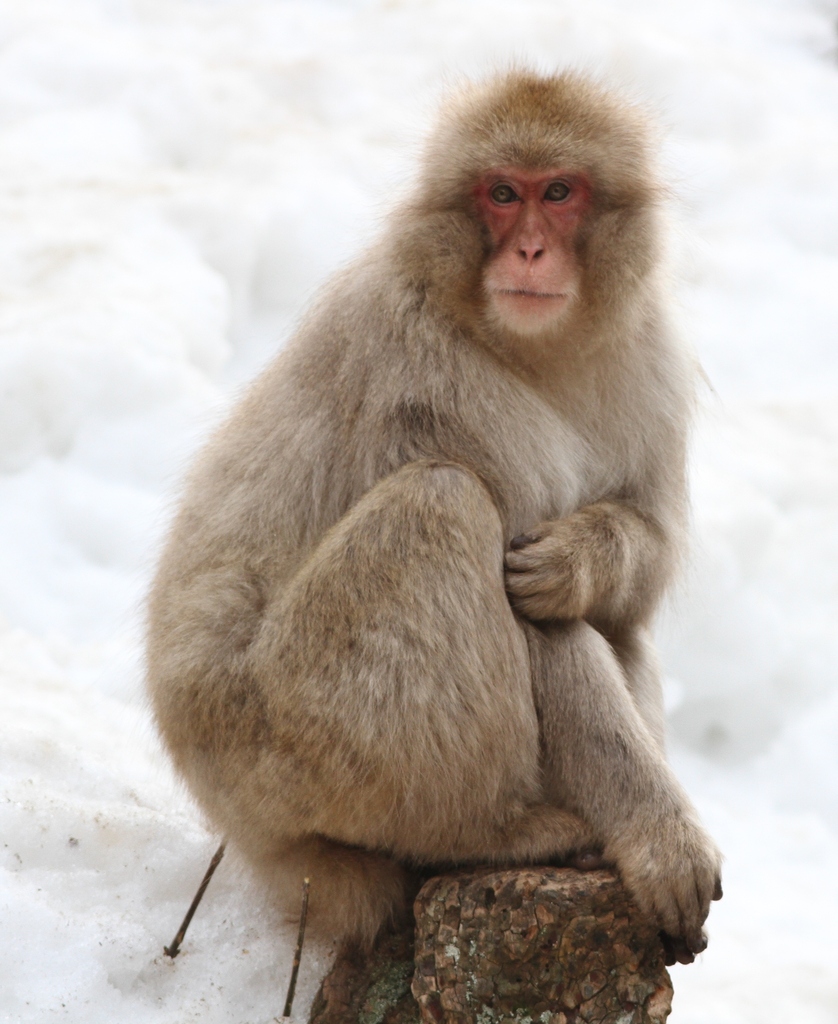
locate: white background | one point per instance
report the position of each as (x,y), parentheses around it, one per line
(177,178)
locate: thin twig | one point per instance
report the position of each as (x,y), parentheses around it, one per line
(298,952)
(174,949)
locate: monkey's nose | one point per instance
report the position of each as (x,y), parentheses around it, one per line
(531,252)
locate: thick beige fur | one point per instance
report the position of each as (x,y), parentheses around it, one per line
(347,675)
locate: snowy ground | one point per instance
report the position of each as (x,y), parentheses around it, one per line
(177,177)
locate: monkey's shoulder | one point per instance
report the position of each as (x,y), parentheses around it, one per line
(375,378)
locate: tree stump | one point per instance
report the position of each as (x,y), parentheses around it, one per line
(526,945)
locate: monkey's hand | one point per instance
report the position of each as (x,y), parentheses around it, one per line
(673,871)
(606,563)
(549,573)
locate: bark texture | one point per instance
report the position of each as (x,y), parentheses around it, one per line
(527,945)
(371,989)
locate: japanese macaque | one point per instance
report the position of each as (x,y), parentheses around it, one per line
(402,618)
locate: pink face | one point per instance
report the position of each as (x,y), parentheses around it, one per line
(533,217)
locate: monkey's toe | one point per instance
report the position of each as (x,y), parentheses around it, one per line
(675,950)
(587,860)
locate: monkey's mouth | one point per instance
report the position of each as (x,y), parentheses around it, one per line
(528,311)
(526,293)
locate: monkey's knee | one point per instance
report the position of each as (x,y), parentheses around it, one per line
(431,513)
(454,492)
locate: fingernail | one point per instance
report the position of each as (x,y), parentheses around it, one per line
(717,892)
(521,541)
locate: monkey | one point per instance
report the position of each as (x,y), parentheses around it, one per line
(403,614)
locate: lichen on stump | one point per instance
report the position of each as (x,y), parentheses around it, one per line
(370,989)
(526,945)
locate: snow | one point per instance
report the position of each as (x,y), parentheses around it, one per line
(178,176)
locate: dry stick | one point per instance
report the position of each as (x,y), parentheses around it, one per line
(174,949)
(298,952)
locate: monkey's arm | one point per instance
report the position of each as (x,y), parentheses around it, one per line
(607,563)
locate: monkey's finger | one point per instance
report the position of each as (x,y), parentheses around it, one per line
(532,605)
(708,887)
(542,554)
(674,950)
(520,561)
(535,608)
(525,583)
(522,540)
(664,908)
(694,909)
(693,937)
(683,954)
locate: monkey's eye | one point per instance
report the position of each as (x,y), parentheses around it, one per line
(557,192)
(504,194)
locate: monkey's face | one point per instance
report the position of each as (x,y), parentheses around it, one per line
(532,274)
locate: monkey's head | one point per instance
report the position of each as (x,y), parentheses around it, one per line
(539,196)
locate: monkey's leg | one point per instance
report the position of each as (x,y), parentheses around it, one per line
(399,710)
(602,761)
(353,892)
